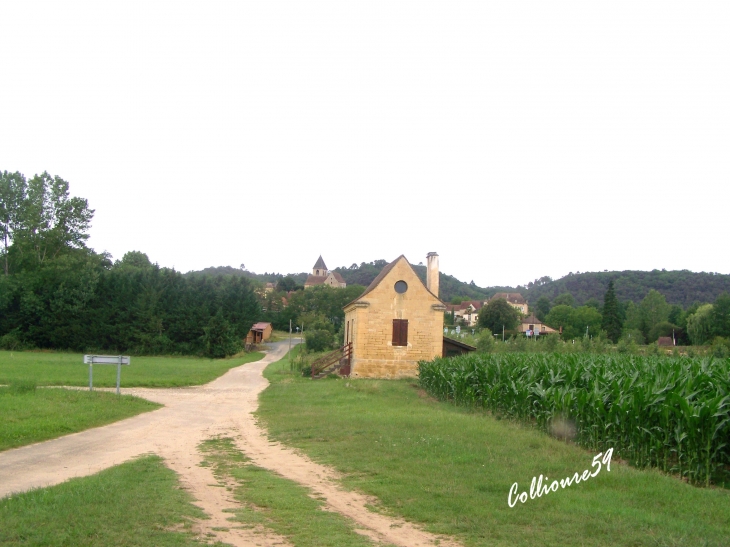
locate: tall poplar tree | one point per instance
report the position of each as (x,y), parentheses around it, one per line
(611,322)
(12,195)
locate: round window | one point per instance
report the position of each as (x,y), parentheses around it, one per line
(401,287)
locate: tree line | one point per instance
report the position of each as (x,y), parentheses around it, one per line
(653,317)
(57,293)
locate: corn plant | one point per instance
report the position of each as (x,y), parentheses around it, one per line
(671,413)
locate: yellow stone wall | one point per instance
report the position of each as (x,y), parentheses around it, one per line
(371,326)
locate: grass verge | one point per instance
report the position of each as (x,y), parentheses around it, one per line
(451,469)
(68,369)
(138,503)
(29,415)
(277,503)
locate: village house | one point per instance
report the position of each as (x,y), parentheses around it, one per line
(322,276)
(534,326)
(396,322)
(467,312)
(514,299)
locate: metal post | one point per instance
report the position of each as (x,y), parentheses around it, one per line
(91,377)
(119,373)
(290,343)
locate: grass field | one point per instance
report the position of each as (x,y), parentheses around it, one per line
(138,503)
(451,469)
(277,503)
(55,369)
(29,415)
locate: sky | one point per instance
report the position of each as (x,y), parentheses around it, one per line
(516,139)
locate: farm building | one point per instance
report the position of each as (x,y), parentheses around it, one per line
(396,322)
(260,332)
(322,276)
(452,347)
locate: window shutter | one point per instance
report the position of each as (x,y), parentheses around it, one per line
(400,332)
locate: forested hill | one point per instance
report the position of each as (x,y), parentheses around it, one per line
(679,287)
(238,272)
(449,286)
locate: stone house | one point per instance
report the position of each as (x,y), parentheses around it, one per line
(322,276)
(396,322)
(514,299)
(533,325)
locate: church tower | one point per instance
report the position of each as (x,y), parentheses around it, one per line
(320,268)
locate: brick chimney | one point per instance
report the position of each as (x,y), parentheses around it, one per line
(432,273)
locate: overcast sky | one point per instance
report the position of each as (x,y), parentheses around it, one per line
(516,139)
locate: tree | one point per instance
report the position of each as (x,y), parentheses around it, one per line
(565,299)
(12,195)
(498,314)
(654,310)
(633,318)
(699,325)
(575,321)
(611,321)
(219,338)
(286,284)
(542,307)
(49,222)
(134,259)
(721,315)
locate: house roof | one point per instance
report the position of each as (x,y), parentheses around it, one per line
(319,264)
(458,344)
(315,279)
(531,319)
(385,271)
(476,304)
(320,279)
(511,297)
(260,326)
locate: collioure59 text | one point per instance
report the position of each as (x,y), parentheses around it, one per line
(539,486)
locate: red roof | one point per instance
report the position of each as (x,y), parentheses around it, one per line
(260,326)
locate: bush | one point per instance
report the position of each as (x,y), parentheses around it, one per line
(633,335)
(627,346)
(486,342)
(11,341)
(720,347)
(319,340)
(551,343)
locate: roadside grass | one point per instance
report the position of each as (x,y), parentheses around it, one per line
(451,469)
(138,503)
(277,503)
(58,369)
(29,415)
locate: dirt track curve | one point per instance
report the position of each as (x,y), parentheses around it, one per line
(190,416)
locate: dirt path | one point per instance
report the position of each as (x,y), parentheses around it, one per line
(190,416)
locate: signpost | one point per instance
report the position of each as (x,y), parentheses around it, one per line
(118,360)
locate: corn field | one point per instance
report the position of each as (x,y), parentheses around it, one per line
(670,413)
